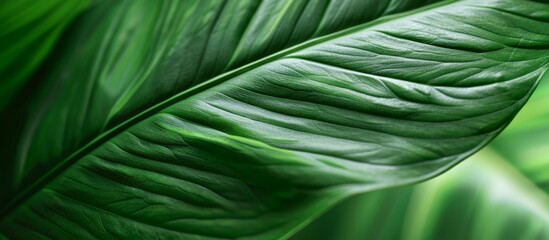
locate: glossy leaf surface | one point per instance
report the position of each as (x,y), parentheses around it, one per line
(142,52)
(499,193)
(273,143)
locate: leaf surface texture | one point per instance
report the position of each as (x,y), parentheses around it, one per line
(270,144)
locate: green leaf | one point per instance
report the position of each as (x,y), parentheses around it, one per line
(499,193)
(525,143)
(140,53)
(28,31)
(258,151)
(483,198)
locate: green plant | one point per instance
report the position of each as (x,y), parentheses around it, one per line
(499,193)
(241,119)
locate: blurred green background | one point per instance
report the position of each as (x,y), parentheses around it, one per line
(502,192)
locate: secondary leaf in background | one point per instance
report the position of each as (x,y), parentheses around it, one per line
(28,31)
(525,144)
(123,56)
(482,198)
(275,142)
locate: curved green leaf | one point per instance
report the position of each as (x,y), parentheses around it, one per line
(269,145)
(500,193)
(139,53)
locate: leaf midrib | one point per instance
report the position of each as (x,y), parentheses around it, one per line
(28,191)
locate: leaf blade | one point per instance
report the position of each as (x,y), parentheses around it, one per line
(127,69)
(284,155)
